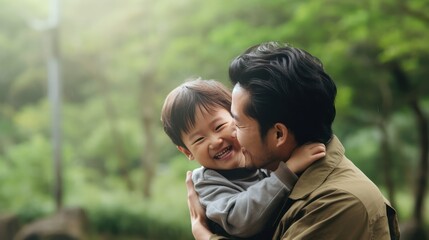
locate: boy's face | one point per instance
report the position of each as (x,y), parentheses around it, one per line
(211,142)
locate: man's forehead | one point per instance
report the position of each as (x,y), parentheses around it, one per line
(240,97)
(237,88)
(234,116)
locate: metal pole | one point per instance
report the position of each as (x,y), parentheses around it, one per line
(54,92)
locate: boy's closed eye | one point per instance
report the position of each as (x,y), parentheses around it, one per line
(198,140)
(220,126)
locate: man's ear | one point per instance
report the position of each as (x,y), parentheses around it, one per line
(185,151)
(281,132)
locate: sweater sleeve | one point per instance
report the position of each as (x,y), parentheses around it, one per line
(239,211)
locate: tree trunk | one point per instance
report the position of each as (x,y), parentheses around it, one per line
(386,97)
(422,124)
(387,162)
(148,158)
(116,136)
(422,175)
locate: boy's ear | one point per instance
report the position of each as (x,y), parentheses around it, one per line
(185,151)
(281,134)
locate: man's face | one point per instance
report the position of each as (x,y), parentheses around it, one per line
(257,151)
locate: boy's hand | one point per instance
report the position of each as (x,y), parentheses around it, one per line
(304,156)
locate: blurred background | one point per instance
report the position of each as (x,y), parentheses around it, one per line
(82,83)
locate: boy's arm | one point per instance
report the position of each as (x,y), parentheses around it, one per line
(301,159)
(303,156)
(242,212)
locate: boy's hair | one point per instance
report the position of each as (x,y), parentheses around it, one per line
(180,105)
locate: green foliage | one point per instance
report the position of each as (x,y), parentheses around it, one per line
(363,146)
(25,173)
(115,54)
(179,165)
(120,220)
(112,209)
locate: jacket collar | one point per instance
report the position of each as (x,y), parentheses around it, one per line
(317,173)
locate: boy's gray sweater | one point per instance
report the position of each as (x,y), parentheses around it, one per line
(243,201)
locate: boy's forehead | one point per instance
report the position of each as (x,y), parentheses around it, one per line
(203,116)
(206,113)
(200,113)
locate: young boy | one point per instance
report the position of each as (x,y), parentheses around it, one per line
(240,201)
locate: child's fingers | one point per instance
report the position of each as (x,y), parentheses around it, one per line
(318,145)
(319,155)
(317,151)
(315,145)
(318,148)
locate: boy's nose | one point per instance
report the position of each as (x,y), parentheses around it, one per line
(216,143)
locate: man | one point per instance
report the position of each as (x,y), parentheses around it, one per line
(282,98)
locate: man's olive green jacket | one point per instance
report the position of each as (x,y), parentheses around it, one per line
(333,199)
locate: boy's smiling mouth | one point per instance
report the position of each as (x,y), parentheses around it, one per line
(223,153)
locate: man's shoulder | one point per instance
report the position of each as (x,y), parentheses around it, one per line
(353,180)
(362,191)
(355,189)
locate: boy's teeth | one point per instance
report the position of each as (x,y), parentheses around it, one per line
(219,155)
